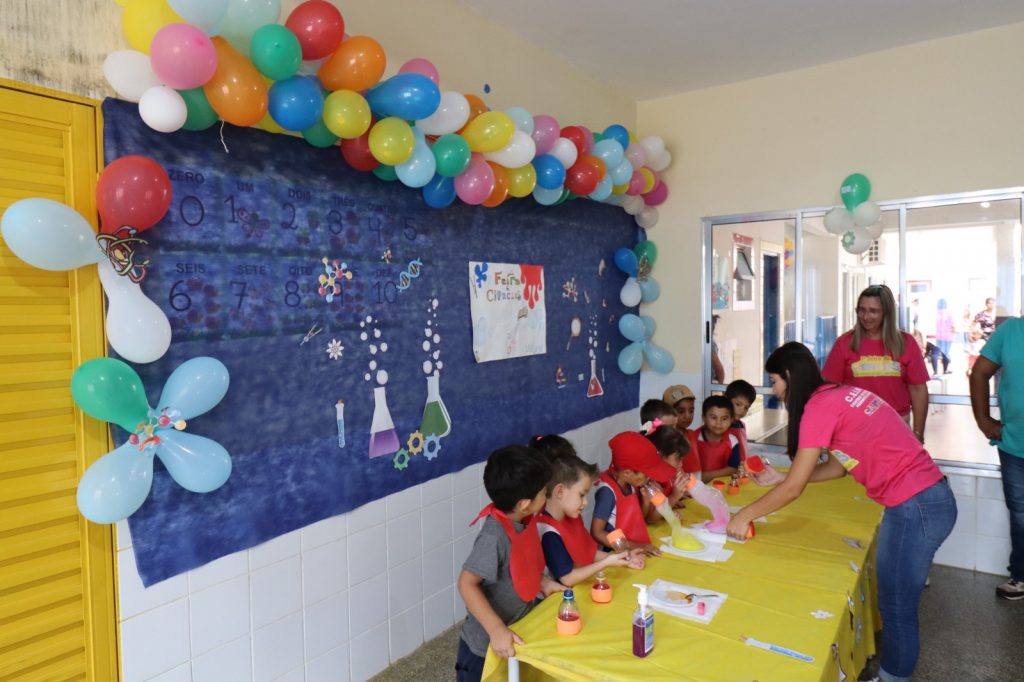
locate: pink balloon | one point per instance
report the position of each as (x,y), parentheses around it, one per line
(475,183)
(423,67)
(636,184)
(637,155)
(182,56)
(545,132)
(656,196)
(588,139)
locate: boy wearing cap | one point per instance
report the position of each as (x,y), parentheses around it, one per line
(618,502)
(683,403)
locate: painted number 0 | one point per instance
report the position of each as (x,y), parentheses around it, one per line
(387,292)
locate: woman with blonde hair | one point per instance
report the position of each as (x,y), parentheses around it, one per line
(878,356)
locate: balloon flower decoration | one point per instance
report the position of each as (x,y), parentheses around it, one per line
(858,221)
(639,329)
(117,484)
(133,194)
(196,62)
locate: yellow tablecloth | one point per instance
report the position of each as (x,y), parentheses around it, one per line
(803,561)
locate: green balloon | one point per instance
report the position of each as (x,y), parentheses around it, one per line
(276,52)
(452,155)
(320,136)
(200,114)
(386,173)
(647,249)
(854,191)
(111,391)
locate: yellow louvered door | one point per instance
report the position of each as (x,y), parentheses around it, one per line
(57,608)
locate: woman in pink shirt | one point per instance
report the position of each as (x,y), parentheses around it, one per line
(867,439)
(877,356)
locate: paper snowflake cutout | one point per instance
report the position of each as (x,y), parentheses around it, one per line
(335,349)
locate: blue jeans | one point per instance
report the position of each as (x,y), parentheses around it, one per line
(1013,491)
(909,537)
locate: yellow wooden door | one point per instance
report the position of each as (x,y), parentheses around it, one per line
(57,607)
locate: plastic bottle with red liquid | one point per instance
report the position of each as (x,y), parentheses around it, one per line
(601,592)
(569,622)
(643,624)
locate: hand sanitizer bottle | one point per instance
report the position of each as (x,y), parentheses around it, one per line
(643,624)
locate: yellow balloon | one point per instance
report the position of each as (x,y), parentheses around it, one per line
(620,189)
(649,179)
(391,141)
(346,114)
(489,132)
(269,124)
(521,181)
(143,18)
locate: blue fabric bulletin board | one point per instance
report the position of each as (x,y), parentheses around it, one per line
(235,265)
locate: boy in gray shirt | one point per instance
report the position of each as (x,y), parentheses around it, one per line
(504,572)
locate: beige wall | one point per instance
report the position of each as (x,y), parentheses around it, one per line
(936,117)
(61,44)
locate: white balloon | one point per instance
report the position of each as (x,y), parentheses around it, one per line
(130,73)
(136,327)
(630,294)
(874,230)
(647,218)
(517,153)
(163,109)
(450,115)
(866,213)
(565,151)
(310,67)
(662,162)
(633,205)
(856,241)
(838,221)
(654,146)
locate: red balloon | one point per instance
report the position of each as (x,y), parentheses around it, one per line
(583,177)
(319,27)
(357,153)
(578,137)
(133,191)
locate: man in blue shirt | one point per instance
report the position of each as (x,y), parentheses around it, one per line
(1005,350)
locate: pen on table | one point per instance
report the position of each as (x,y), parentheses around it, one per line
(750,641)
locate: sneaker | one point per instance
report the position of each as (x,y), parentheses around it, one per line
(1011,589)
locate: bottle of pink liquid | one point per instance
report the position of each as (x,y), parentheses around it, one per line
(643,624)
(569,622)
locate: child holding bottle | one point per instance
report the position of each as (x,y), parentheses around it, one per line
(570,553)
(673,448)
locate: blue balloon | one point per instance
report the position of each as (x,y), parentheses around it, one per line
(603,190)
(660,360)
(609,151)
(546,196)
(418,170)
(625,260)
(649,325)
(650,290)
(618,133)
(195,387)
(439,192)
(296,103)
(49,235)
(632,327)
(616,199)
(621,173)
(550,171)
(408,95)
(196,463)
(522,118)
(115,485)
(631,358)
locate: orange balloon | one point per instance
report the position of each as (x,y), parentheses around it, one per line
(357,65)
(500,191)
(237,91)
(599,164)
(476,107)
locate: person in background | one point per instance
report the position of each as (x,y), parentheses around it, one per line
(504,571)
(945,330)
(877,356)
(932,353)
(986,319)
(742,394)
(683,402)
(974,346)
(657,410)
(864,438)
(717,369)
(1005,351)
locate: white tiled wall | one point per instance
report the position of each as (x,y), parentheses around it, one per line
(980,541)
(337,600)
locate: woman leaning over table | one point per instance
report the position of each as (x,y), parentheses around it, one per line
(866,438)
(877,356)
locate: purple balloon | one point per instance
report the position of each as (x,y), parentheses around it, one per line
(545,133)
(657,195)
(475,183)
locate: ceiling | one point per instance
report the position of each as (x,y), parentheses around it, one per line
(653,48)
